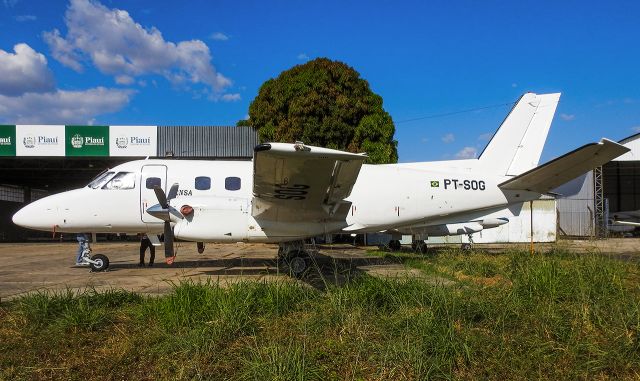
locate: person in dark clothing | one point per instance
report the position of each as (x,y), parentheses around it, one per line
(144,243)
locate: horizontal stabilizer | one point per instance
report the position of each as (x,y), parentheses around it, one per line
(551,175)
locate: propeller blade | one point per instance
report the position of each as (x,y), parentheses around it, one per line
(162,198)
(175,212)
(173,192)
(168,243)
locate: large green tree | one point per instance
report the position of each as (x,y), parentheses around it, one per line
(324,103)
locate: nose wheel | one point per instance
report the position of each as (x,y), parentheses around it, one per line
(99,262)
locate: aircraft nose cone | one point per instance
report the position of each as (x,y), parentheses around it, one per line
(35,216)
(20,218)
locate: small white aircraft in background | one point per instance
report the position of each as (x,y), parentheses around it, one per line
(290,192)
(628,220)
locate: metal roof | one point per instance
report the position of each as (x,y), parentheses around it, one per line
(207,141)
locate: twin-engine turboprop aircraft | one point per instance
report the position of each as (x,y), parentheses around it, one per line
(293,191)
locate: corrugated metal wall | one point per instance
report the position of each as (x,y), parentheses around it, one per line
(576,207)
(207,141)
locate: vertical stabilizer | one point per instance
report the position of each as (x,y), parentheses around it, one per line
(517,145)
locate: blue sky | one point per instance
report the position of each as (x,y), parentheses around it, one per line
(201,64)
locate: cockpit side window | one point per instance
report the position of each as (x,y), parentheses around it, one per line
(100,180)
(122,180)
(232,183)
(153,182)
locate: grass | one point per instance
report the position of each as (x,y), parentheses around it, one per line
(552,315)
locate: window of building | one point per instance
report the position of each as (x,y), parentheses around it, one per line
(203,183)
(153,182)
(11,193)
(122,180)
(232,183)
(37,194)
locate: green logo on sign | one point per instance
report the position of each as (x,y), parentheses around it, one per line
(87,140)
(7,140)
(435,184)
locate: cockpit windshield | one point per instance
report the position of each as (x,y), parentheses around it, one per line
(100,180)
(123,180)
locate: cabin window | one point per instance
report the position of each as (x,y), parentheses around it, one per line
(153,182)
(122,180)
(232,183)
(203,183)
(100,180)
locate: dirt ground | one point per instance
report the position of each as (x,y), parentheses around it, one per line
(28,267)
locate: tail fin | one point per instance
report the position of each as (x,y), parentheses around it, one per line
(517,145)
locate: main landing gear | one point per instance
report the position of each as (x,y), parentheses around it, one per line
(419,246)
(395,245)
(296,257)
(467,247)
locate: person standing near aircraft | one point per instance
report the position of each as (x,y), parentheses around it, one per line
(144,243)
(83,243)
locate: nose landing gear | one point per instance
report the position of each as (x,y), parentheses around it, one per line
(97,263)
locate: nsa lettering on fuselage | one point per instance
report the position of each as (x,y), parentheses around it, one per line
(464,184)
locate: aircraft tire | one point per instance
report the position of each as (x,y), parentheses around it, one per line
(395,245)
(466,247)
(297,264)
(102,263)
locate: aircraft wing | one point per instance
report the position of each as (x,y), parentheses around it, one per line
(296,182)
(567,167)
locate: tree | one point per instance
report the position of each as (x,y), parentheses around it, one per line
(324,103)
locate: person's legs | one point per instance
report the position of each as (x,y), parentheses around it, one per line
(80,250)
(152,251)
(143,247)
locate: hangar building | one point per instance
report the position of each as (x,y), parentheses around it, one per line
(38,160)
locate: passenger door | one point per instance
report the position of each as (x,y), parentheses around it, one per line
(152,175)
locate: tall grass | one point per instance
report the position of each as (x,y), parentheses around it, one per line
(512,316)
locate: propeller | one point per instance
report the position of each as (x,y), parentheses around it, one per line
(164,211)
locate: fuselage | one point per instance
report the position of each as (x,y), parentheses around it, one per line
(220,192)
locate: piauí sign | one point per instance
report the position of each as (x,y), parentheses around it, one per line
(87,140)
(7,140)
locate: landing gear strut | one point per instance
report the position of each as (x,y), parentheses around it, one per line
(467,246)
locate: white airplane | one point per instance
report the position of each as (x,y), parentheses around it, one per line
(290,192)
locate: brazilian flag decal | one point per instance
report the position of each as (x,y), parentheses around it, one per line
(435,184)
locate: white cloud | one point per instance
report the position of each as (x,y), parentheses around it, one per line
(635,129)
(219,36)
(28,93)
(424,140)
(124,80)
(448,138)
(467,153)
(567,117)
(486,137)
(302,56)
(117,45)
(231,97)
(24,71)
(10,3)
(62,106)
(514,85)
(23,18)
